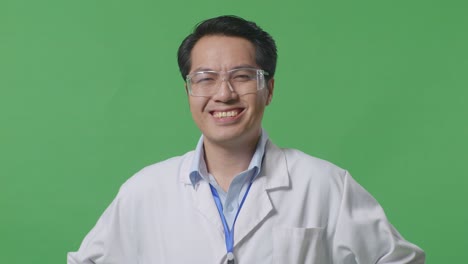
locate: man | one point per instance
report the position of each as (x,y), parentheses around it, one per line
(238,198)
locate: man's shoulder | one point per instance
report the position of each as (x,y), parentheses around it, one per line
(295,158)
(160,173)
(305,167)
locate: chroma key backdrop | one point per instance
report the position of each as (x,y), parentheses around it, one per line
(90,93)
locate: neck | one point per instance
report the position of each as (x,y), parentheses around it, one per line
(224,163)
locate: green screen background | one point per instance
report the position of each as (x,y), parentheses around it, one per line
(90,93)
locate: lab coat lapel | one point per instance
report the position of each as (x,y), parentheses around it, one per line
(204,204)
(258,206)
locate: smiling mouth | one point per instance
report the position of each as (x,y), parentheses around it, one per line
(225,114)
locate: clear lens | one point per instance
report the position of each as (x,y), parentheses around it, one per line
(242,81)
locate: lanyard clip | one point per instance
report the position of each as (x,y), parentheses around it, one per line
(230,258)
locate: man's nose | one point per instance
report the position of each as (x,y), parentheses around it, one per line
(225,92)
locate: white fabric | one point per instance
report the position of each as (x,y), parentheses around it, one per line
(299,210)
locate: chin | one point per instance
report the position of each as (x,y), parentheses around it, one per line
(224,138)
(229,136)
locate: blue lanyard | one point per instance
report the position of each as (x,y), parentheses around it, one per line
(228,233)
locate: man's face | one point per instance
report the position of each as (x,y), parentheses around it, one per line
(226,118)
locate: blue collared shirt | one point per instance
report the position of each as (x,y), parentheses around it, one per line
(232,198)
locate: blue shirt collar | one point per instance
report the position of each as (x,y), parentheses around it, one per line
(198,170)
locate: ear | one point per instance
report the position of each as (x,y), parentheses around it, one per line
(270,88)
(186,89)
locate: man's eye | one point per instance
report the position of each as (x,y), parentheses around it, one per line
(242,77)
(204,80)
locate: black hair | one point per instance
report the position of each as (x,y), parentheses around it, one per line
(233,26)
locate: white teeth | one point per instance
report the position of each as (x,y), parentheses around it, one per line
(225,114)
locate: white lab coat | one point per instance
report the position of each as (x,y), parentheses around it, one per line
(299,209)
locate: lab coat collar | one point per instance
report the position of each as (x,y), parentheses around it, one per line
(274,168)
(274,173)
(198,170)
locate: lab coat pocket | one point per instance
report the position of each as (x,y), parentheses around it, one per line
(297,245)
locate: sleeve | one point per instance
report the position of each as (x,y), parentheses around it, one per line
(111,239)
(364,235)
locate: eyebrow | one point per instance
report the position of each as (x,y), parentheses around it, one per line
(201,69)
